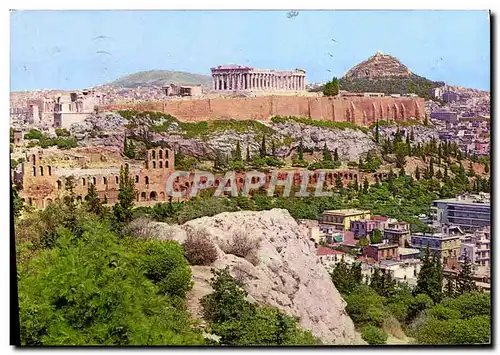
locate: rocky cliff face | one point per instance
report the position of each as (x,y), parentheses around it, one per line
(378,66)
(287,275)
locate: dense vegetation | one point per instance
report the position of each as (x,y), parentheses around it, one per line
(318,123)
(379,306)
(145,123)
(410,85)
(86,278)
(62,141)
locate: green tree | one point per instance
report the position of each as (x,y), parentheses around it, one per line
(249,158)
(122,210)
(465,282)
(94,204)
(92,291)
(263,149)
(237,153)
(331,88)
(376,236)
(327,156)
(374,335)
(377,132)
(417,173)
(336,155)
(365,186)
(429,280)
(449,288)
(17,202)
(486,168)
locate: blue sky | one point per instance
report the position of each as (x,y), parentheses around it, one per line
(78,49)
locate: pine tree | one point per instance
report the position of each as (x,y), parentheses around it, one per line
(356,184)
(486,168)
(237,152)
(338,182)
(360,163)
(122,210)
(365,185)
(449,288)
(431,168)
(327,156)
(377,132)
(408,145)
(249,158)
(94,204)
(70,203)
(428,280)
(465,282)
(412,135)
(300,152)
(335,155)
(262,150)
(417,173)
(273,148)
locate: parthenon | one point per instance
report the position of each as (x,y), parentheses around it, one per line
(242,78)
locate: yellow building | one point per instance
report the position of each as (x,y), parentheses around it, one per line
(341,219)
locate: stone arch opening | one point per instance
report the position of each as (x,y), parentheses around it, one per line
(350,176)
(146,180)
(49,170)
(154,165)
(83,181)
(162,196)
(59,184)
(153,196)
(48,202)
(41,171)
(137,179)
(117,180)
(94,180)
(143,196)
(104,180)
(160,154)
(34,171)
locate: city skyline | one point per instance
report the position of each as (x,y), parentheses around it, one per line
(95,48)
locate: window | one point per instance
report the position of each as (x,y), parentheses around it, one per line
(153,154)
(137,179)
(34,171)
(41,171)
(50,170)
(117,180)
(83,181)
(94,180)
(104,180)
(146,180)
(160,154)
(161,164)
(154,165)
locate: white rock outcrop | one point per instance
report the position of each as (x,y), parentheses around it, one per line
(287,275)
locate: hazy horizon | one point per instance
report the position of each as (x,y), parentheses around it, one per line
(76,49)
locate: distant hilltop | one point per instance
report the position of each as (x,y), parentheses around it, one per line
(378,66)
(161,78)
(383,73)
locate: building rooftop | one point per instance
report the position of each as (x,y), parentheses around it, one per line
(346,211)
(468,200)
(408,251)
(322,250)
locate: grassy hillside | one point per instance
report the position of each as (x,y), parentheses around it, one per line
(161,78)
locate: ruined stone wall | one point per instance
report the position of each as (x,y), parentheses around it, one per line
(358,110)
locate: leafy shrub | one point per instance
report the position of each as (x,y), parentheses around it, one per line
(239,322)
(318,123)
(365,307)
(373,335)
(166,266)
(33,134)
(62,132)
(198,249)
